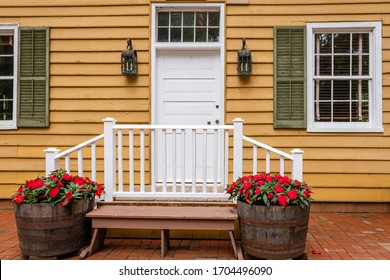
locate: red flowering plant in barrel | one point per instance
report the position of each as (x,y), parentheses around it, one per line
(58,187)
(267,189)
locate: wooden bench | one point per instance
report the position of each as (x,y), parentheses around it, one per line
(164,218)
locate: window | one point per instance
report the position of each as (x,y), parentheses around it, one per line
(8,75)
(24,77)
(344,77)
(188,26)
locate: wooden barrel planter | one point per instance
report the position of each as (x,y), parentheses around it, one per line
(274,232)
(49,231)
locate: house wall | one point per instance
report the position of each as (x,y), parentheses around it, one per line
(86,86)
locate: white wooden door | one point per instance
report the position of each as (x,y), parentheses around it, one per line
(188,92)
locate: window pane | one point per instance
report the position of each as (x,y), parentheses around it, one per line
(6,44)
(162,35)
(201,19)
(163,19)
(323,111)
(6,99)
(341,111)
(188,18)
(360,43)
(341,65)
(214,19)
(360,112)
(175,34)
(213,35)
(342,43)
(200,35)
(323,43)
(6,66)
(188,34)
(360,90)
(325,65)
(325,90)
(341,90)
(360,65)
(176,19)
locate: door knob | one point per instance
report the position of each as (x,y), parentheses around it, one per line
(217,121)
(208,123)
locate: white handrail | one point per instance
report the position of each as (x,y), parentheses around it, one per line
(266,147)
(79,146)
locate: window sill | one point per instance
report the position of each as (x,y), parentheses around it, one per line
(345,129)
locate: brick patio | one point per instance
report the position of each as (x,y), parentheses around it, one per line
(332,236)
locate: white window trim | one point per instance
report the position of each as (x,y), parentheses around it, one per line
(375,105)
(11,124)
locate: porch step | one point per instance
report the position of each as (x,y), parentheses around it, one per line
(147,201)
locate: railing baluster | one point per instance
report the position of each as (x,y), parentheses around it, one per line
(226,159)
(164,160)
(67,164)
(267,161)
(174,160)
(193,131)
(93,161)
(281,170)
(80,163)
(183,160)
(153,162)
(254,170)
(142,159)
(120,161)
(131,159)
(216,136)
(204,169)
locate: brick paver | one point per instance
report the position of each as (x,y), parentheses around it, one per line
(332,236)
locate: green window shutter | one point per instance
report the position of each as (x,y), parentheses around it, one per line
(33,77)
(289,77)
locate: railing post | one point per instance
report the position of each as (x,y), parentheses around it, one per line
(297,164)
(51,161)
(237,148)
(109,158)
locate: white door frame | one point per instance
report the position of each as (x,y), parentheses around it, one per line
(156,46)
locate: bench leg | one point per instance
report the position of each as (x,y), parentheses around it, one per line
(233,240)
(98,236)
(164,242)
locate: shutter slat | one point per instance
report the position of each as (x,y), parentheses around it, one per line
(289,80)
(33,77)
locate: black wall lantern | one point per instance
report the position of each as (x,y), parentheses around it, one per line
(244,67)
(129,62)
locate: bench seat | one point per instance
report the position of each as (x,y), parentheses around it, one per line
(164,218)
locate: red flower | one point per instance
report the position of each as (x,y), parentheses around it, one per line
(270,196)
(99,190)
(307,193)
(18,199)
(278,189)
(79,181)
(282,200)
(257,191)
(292,195)
(54,191)
(64,203)
(67,177)
(298,183)
(69,195)
(60,184)
(247,185)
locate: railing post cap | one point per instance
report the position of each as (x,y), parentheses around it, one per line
(109,119)
(51,150)
(296,151)
(238,120)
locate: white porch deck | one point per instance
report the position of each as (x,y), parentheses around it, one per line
(129,160)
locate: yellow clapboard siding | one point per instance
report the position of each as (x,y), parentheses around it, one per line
(93,69)
(98,45)
(249,93)
(262,56)
(72,11)
(100,105)
(107,56)
(97,117)
(351,195)
(253,44)
(257,69)
(64,3)
(319,180)
(342,9)
(98,81)
(98,33)
(100,92)
(249,105)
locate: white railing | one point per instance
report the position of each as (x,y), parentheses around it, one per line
(186,160)
(296,158)
(53,157)
(171,161)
